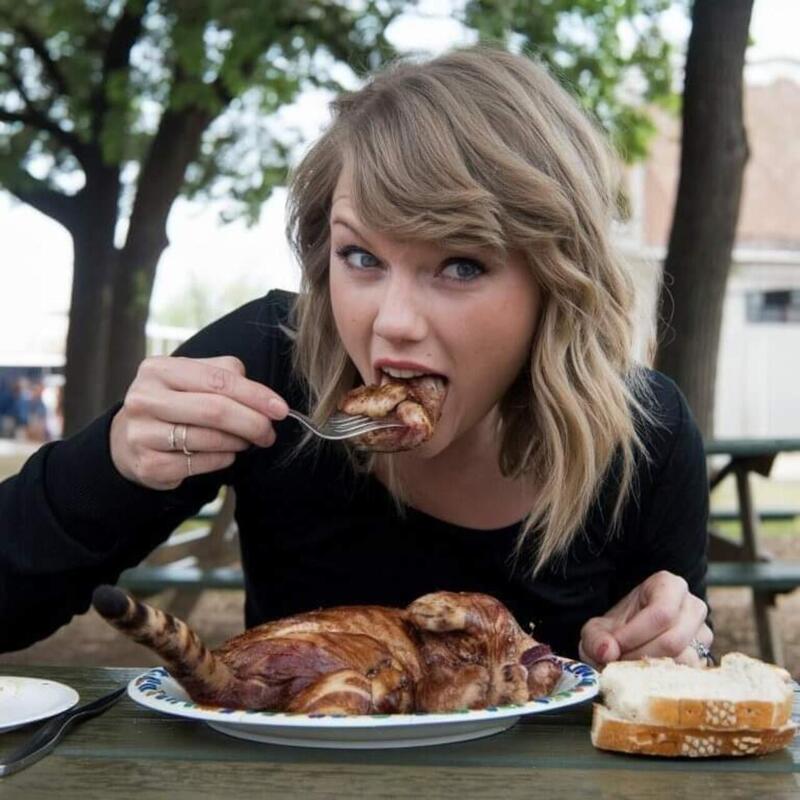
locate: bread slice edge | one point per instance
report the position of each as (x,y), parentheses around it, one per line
(718,714)
(610,732)
(711,710)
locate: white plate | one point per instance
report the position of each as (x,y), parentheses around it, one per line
(157,690)
(25,700)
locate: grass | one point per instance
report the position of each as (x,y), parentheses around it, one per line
(769,529)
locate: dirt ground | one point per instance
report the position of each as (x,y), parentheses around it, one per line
(88,640)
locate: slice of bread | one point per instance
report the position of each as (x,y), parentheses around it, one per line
(743,693)
(611,732)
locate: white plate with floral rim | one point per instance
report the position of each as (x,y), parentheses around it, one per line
(158,691)
(26,700)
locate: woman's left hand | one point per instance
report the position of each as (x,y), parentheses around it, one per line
(660,617)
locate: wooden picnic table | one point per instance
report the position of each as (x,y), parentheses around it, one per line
(746,456)
(131,751)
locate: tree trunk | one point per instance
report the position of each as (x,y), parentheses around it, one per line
(132,282)
(713,156)
(174,147)
(90,304)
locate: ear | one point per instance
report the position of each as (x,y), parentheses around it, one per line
(439,612)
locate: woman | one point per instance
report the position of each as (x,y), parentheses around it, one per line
(453,221)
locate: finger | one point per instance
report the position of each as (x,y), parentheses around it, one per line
(598,644)
(705,635)
(223,375)
(662,604)
(213,411)
(690,656)
(168,470)
(165,436)
(672,642)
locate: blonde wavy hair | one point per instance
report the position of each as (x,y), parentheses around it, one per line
(484,148)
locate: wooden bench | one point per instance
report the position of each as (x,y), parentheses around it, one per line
(774,576)
(752,568)
(192,560)
(145,580)
(764,515)
(768,576)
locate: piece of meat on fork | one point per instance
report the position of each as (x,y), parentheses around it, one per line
(415,402)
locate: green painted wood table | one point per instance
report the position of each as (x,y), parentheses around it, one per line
(133,752)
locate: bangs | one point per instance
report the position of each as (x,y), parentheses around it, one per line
(411,177)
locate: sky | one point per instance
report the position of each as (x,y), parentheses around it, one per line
(36,252)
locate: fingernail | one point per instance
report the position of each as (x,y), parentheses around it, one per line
(277,408)
(601,651)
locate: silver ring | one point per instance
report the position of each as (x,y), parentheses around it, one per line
(172,444)
(186,450)
(189,465)
(702,651)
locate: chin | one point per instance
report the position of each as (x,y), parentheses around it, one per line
(436,445)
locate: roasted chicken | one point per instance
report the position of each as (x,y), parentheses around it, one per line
(445,651)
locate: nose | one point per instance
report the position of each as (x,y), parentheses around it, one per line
(401,315)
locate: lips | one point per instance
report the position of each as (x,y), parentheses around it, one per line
(414,402)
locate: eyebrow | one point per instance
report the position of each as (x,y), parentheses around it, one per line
(349,225)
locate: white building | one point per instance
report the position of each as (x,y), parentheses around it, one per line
(758,375)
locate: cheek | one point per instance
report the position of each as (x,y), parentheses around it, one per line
(350,316)
(344,314)
(493,350)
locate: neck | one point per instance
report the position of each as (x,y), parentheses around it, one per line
(475,452)
(463,484)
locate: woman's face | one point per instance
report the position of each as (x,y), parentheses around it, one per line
(416,307)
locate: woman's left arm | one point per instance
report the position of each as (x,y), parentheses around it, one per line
(665,614)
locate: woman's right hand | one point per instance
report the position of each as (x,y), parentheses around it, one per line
(205,406)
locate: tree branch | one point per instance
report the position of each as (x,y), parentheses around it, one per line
(35,117)
(18,85)
(62,208)
(40,48)
(117,55)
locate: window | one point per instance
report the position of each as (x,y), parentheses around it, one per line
(781,305)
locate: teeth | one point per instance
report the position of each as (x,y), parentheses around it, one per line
(402,373)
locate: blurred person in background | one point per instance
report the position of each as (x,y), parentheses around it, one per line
(7,418)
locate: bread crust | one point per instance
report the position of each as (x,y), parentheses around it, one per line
(709,714)
(620,735)
(719,715)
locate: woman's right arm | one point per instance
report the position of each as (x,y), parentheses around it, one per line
(83,509)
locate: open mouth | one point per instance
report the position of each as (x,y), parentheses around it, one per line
(415,402)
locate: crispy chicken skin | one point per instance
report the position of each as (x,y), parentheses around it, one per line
(445,651)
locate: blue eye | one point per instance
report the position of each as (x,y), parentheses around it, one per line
(463,269)
(357,258)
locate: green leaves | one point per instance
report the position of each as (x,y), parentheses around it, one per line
(106,70)
(93,70)
(610,53)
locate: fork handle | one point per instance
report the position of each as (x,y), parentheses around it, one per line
(50,734)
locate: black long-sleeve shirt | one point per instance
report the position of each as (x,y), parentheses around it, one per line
(314,533)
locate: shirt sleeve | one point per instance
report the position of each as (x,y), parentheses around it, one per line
(673,525)
(71,521)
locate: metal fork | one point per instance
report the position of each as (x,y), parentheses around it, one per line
(343,426)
